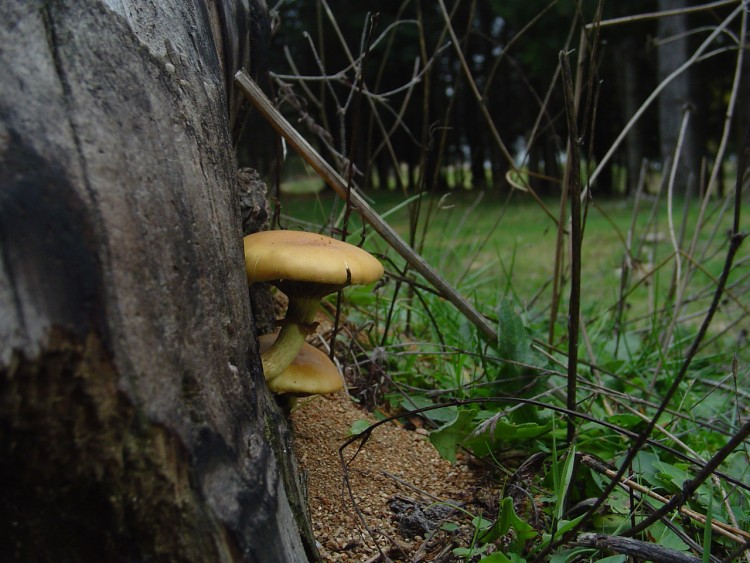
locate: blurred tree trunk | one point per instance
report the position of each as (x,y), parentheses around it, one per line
(743,109)
(544,164)
(134,422)
(676,98)
(476,148)
(627,88)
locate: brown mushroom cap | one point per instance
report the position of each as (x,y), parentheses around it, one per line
(281,257)
(311,372)
(307,267)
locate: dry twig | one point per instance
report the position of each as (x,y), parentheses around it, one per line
(251,90)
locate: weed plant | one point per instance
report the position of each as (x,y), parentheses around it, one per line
(592,440)
(428,354)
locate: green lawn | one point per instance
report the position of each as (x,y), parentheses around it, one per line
(489,247)
(501,255)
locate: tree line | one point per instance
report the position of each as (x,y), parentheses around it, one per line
(382,85)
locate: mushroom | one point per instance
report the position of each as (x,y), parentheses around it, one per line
(306,267)
(310,373)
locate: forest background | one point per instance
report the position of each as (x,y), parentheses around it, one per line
(575,169)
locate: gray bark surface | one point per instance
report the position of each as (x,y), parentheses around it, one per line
(134,422)
(676,98)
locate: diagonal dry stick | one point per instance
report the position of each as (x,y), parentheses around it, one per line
(721,528)
(253,93)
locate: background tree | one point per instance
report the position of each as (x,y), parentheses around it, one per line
(677,101)
(512,51)
(134,422)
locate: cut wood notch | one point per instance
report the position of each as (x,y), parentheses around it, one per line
(261,102)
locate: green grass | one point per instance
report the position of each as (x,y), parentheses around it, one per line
(490,247)
(501,255)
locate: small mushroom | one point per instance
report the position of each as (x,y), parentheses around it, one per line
(306,267)
(310,373)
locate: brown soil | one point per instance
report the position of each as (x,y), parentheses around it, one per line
(405,493)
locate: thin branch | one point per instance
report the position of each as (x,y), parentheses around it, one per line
(655,93)
(573,179)
(483,107)
(712,182)
(663,14)
(333,179)
(636,548)
(734,245)
(735,242)
(689,487)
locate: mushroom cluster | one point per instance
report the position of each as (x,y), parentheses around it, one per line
(306,267)
(310,373)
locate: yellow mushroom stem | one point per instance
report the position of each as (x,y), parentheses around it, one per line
(296,326)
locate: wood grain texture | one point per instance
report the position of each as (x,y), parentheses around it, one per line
(636,548)
(133,418)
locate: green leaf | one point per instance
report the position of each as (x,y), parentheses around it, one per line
(629,346)
(444,414)
(666,537)
(507,520)
(498,557)
(451,435)
(563,526)
(570,555)
(469,551)
(660,473)
(625,420)
(513,343)
(480,523)
(565,482)
(361,296)
(359,426)
(504,433)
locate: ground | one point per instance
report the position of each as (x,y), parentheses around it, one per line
(410,500)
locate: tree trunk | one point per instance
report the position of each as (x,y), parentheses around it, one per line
(676,98)
(134,422)
(626,72)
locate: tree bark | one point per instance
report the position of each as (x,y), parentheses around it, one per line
(676,98)
(626,72)
(134,421)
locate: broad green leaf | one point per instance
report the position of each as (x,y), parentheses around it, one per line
(481,523)
(451,435)
(513,342)
(361,296)
(629,345)
(443,414)
(670,476)
(666,537)
(645,463)
(563,526)
(504,433)
(507,520)
(359,426)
